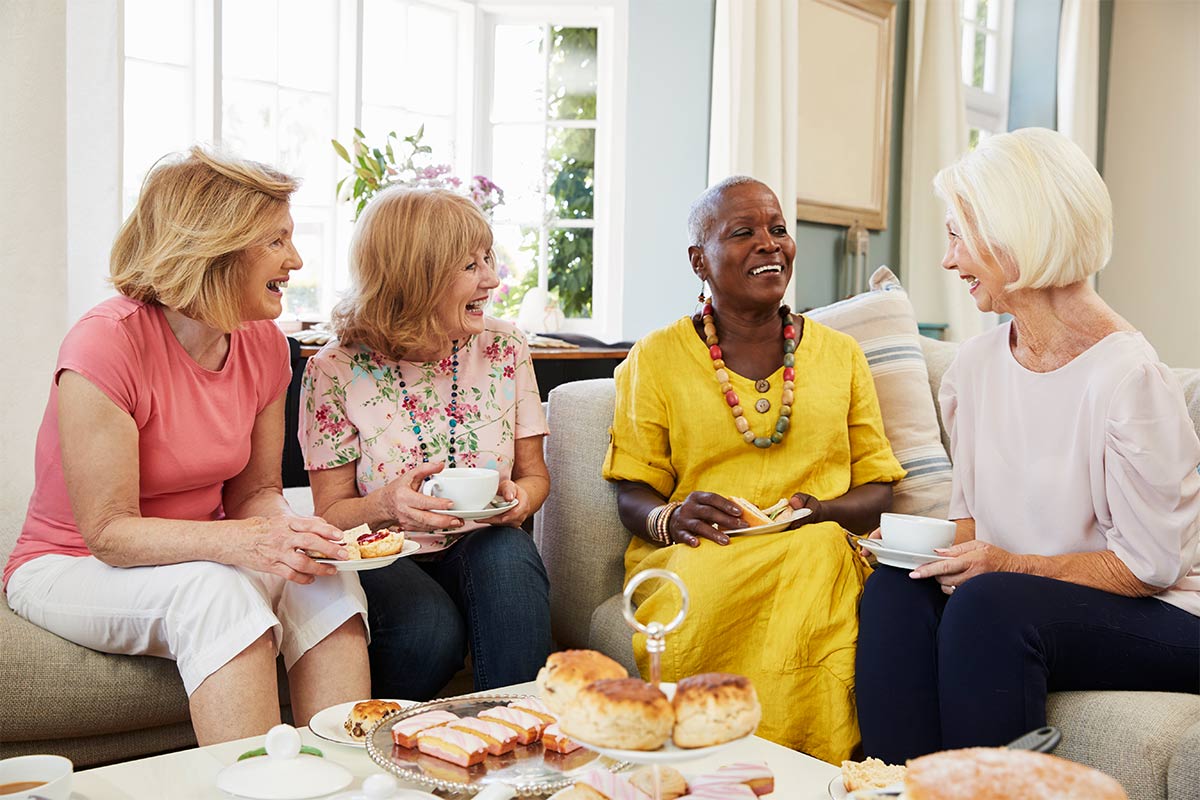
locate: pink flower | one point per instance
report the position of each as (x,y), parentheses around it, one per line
(492,351)
(509,371)
(445,366)
(409,403)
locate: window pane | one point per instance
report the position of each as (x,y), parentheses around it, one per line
(572,77)
(431,69)
(968,53)
(313,238)
(516,266)
(570,256)
(981,13)
(159,30)
(248,119)
(305,128)
(981,41)
(570,172)
(384,26)
(518,92)
(518,168)
(307,42)
(158,120)
(249,36)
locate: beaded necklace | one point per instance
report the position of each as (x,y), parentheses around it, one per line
(735,404)
(452,411)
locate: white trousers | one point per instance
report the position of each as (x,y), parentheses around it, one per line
(200,614)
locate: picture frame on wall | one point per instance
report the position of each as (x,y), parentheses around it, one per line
(846,50)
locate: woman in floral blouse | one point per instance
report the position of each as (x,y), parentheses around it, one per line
(420,380)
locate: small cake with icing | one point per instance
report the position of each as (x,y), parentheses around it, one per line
(555,740)
(757,776)
(671,783)
(527,727)
(404,732)
(609,786)
(448,744)
(723,791)
(500,739)
(532,705)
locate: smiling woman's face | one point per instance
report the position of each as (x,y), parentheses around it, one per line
(747,256)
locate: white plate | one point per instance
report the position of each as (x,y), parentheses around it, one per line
(837,788)
(329,724)
(360,564)
(774,527)
(497,507)
(898,558)
(669,753)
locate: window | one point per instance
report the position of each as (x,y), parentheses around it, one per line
(519,97)
(986,65)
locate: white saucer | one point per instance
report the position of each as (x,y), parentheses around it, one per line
(837,788)
(898,558)
(360,564)
(669,753)
(494,509)
(329,723)
(774,527)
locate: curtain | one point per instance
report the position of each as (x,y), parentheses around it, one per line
(935,135)
(755,121)
(1079,73)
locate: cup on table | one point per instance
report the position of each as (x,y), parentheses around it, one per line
(469,488)
(915,534)
(35,776)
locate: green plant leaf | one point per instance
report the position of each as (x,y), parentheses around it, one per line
(359,134)
(340,150)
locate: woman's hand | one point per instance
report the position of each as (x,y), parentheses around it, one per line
(801,500)
(515,516)
(276,545)
(403,501)
(700,516)
(967,560)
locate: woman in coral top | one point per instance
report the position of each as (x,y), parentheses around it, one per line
(157,524)
(420,380)
(1077,560)
(751,400)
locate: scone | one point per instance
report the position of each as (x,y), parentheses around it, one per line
(625,713)
(996,773)
(568,671)
(349,541)
(714,707)
(671,783)
(870,774)
(365,714)
(383,542)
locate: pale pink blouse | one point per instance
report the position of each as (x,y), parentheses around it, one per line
(1099,454)
(352,409)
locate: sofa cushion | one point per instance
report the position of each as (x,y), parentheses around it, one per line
(883,323)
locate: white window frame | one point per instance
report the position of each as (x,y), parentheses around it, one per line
(608,206)
(988,111)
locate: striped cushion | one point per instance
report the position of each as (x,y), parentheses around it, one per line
(883,323)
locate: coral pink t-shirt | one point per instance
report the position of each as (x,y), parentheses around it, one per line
(193,423)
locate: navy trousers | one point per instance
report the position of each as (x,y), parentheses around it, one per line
(937,671)
(488,592)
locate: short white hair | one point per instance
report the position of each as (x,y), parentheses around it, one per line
(1034,198)
(703,213)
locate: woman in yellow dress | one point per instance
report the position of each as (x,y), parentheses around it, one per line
(750,400)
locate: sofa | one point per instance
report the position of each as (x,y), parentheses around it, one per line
(1149,741)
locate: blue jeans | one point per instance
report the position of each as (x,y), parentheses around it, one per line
(936,672)
(488,592)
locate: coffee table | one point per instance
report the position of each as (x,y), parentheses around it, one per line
(192,773)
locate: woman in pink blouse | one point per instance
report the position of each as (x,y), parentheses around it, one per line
(157,524)
(1075,489)
(419,380)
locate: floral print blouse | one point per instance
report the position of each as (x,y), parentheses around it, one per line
(352,409)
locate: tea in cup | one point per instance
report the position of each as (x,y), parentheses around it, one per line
(469,488)
(911,534)
(35,776)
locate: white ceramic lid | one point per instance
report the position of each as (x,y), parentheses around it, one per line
(384,787)
(284,773)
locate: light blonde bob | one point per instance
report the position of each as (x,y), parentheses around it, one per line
(409,245)
(195,216)
(1033,198)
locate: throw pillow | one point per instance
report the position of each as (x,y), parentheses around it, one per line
(883,323)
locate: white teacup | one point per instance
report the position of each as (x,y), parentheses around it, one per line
(51,774)
(915,534)
(469,488)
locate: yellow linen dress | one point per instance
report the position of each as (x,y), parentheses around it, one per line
(781,609)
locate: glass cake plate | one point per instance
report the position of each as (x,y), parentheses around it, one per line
(530,770)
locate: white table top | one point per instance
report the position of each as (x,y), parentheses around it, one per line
(193,773)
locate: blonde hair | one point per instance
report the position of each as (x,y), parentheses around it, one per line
(181,245)
(1033,198)
(408,247)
